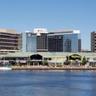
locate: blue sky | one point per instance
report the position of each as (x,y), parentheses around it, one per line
(25,15)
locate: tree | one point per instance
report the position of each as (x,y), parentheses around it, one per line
(84,60)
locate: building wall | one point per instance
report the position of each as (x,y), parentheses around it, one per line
(31,42)
(93,41)
(23,42)
(70,43)
(79,45)
(55,43)
(42,44)
(9,40)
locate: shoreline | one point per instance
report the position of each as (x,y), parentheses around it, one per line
(51,68)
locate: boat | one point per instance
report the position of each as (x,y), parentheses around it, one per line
(5,68)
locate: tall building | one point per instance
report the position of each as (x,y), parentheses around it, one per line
(9,39)
(93,41)
(57,41)
(64,41)
(29,42)
(42,45)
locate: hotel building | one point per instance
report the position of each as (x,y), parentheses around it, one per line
(56,41)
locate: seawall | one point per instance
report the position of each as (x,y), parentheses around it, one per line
(53,68)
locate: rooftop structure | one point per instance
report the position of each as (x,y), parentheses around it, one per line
(38,31)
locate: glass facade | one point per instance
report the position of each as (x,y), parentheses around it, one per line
(70,42)
(55,43)
(29,42)
(64,41)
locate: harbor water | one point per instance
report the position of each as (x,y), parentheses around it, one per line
(44,83)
